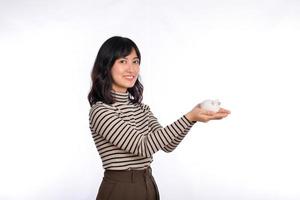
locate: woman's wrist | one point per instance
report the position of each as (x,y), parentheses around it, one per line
(189,116)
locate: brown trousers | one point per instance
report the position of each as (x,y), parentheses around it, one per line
(128,185)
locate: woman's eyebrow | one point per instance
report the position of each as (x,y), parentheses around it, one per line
(133,58)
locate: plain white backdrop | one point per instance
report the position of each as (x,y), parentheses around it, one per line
(245,53)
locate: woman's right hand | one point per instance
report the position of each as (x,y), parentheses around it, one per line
(201,115)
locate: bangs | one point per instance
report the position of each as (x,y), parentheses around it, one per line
(124,51)
(124,48)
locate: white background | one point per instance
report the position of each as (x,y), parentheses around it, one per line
(245,53)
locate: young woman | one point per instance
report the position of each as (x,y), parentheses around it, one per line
(125,131)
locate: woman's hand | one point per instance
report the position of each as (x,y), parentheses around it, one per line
(201,115)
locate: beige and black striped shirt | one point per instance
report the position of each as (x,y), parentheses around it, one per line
(126,135)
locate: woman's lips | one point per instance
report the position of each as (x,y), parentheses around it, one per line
(130,78)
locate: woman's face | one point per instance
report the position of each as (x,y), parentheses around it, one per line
(125,72)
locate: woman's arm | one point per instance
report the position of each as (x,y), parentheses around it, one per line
(106,122)
(155,125)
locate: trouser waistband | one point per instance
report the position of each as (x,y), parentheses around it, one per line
(128,175)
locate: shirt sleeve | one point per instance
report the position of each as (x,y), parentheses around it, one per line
(175,140)
(105,121)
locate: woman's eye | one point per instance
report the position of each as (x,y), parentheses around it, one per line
(125,61)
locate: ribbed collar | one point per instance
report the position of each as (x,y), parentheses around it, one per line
(120,97)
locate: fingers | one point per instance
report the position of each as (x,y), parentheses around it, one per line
(217,116)
(222,110)
(205,116)
(209,113)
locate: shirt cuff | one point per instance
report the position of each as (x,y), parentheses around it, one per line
(190,122)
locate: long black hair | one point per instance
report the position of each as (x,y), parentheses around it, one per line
(112,49)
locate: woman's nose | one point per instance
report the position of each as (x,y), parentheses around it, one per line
(132,67)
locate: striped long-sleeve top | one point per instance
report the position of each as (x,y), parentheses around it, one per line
(126,135)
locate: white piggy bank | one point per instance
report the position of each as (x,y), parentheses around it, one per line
(211,105)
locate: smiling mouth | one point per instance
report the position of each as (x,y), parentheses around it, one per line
(129,77)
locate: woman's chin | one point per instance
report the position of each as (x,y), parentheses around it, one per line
(130,85)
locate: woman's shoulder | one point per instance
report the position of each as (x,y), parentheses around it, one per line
(143,106)
(101,105)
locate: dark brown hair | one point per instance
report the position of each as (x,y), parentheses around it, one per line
(112,49)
